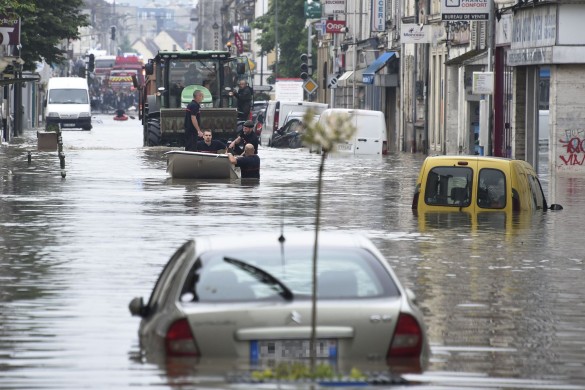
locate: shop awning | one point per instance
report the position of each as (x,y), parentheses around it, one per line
(370,72)
(347,79)
(465,57)
(342,80)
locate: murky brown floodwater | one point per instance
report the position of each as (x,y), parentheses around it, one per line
(503,300)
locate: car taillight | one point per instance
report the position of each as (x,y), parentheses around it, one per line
(276,117)
(385,147)
(407,340)
(180,340)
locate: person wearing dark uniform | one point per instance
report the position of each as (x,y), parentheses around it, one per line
(249,163)
(244,94)
(245,136)
(193,122)
(209,145)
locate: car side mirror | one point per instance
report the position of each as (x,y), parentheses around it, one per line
(149,69)
(137,307)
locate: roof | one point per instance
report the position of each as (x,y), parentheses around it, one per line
(291,239)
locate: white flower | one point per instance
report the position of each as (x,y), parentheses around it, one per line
(336,128)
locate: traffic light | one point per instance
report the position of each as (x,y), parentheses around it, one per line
(305,66)
(113,33)
(91,65)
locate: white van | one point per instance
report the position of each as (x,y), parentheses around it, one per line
(277,111)
(67,103)
(370,137)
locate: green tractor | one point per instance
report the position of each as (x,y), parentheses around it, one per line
(171,79)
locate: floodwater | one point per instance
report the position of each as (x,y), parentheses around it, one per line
(503,300)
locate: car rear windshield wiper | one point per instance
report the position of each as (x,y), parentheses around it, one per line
(262,276)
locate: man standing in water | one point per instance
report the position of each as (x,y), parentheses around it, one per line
(249,163)
(193,131)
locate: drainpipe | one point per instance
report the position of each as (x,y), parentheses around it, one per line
(414,76)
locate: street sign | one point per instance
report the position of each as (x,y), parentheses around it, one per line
(263,88)
(312,9)
(332,81)
(310,85)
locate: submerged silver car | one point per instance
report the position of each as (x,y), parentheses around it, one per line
(249,297)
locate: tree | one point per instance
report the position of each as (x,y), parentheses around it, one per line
(291,34)
(16,6)
(44,25)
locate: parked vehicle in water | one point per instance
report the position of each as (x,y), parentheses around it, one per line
(277,111)
(370,137)
(289,135)
(67,103)
(478,184)
(249,297)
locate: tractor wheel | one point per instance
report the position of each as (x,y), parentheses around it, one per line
(153,134)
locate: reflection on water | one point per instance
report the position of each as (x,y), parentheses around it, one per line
(502,295)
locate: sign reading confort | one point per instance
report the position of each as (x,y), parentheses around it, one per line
(465,9)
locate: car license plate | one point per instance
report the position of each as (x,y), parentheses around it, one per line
(68,125)
(291,349)
(344,147)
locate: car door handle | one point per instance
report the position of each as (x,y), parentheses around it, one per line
(362,140)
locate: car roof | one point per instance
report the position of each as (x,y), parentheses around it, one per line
(469,158)
(269,240)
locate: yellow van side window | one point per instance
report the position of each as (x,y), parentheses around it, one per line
(449,186)
(491,191)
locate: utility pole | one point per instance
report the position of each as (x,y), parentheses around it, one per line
(275,39)
(414,76)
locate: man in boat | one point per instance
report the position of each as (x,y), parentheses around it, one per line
(193,131)
(245,136)
(209,145)
(249,163)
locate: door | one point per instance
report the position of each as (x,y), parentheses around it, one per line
(369,135)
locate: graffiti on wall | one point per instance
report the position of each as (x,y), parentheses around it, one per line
(573,147)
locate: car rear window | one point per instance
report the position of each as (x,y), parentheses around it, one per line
(449,186)
(342,274)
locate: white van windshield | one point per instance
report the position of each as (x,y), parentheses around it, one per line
(68,96)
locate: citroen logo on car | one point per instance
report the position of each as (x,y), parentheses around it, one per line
(295,317)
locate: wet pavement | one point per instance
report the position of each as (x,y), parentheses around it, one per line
(503,299)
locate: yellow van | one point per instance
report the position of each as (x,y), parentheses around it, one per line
(478,184)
